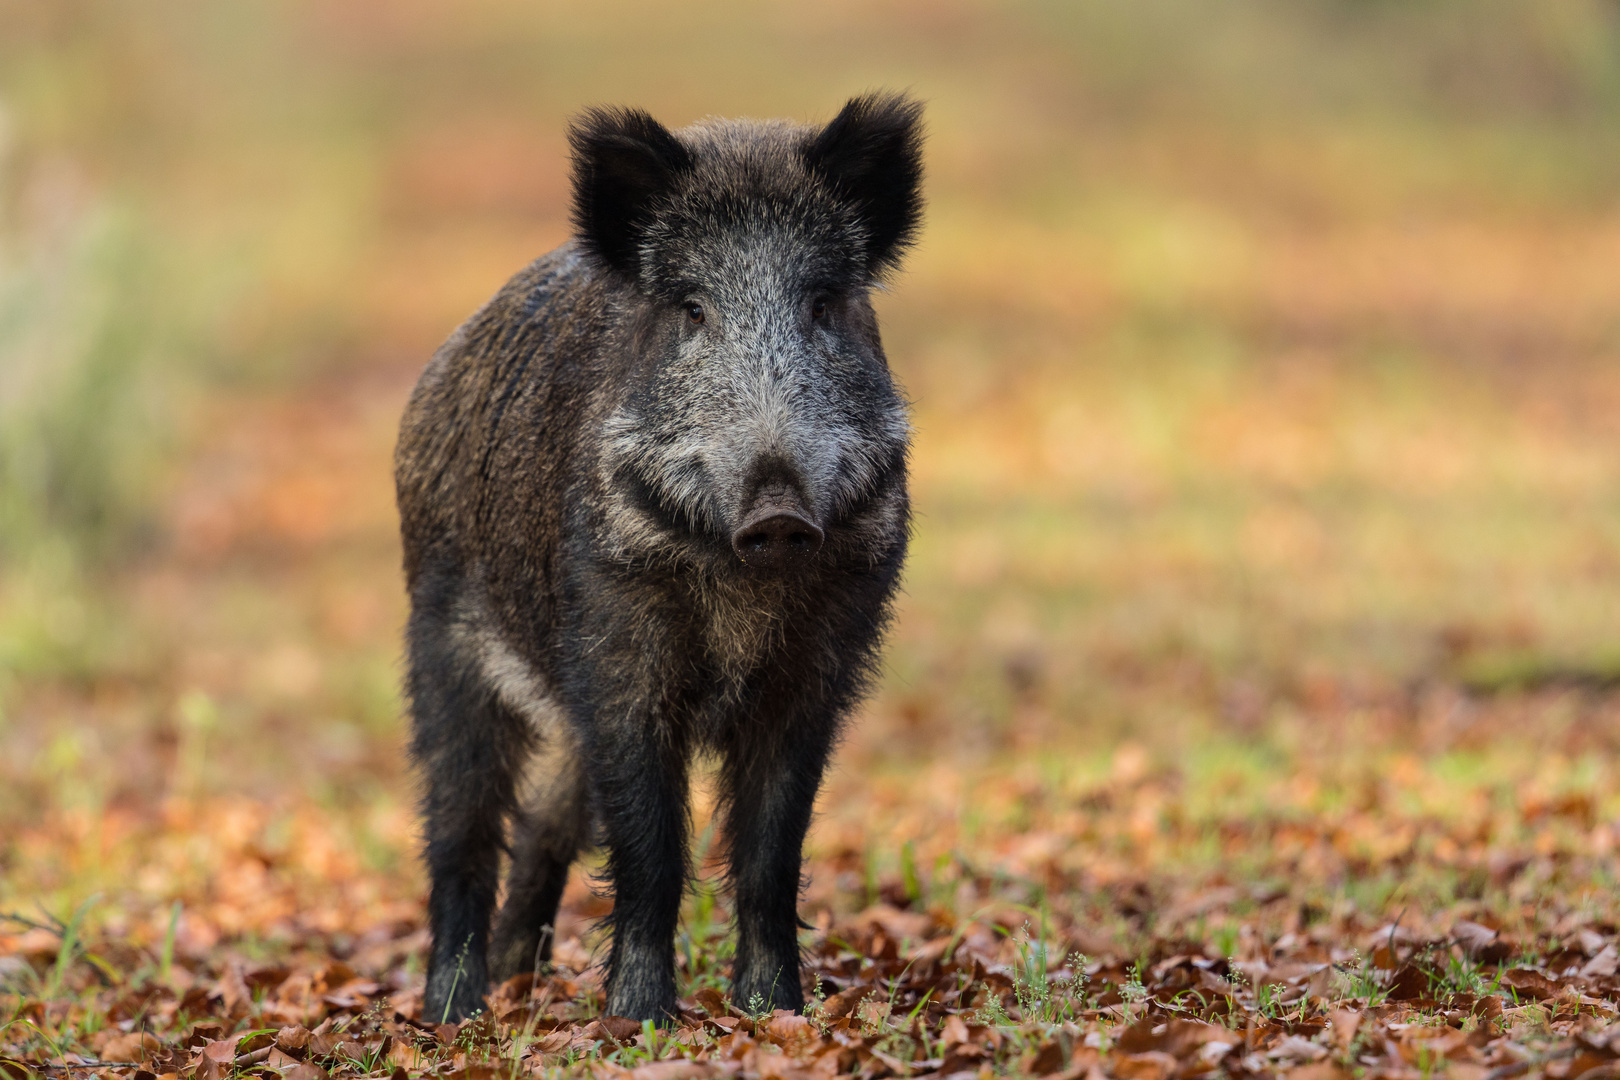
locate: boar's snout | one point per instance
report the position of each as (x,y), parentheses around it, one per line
(776,536)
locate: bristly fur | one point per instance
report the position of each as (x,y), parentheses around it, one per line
(580,472)
(622,159)
(872,154)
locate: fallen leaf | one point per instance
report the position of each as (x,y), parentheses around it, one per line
(233,992)
(1294,1048)
(134,1046)
(1410,983)
(1149,1065)
(1321,1070)
(1604,964)
(293,1039)
(711,1001)
(1530,984)
(843,1002)
(222,1051)
(620,1028)
(1046,1059)
(676,1070)
(1345,1023)
(955,1032)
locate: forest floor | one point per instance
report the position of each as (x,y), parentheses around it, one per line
(1398,922)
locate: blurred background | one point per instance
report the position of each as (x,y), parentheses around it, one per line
(1265,357)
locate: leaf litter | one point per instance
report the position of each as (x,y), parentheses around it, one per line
(1317,950)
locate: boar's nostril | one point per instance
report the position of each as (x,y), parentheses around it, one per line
(776,541)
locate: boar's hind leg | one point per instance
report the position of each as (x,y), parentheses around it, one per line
(770,783)
(466,746)
(550,831)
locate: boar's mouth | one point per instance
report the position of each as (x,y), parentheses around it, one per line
(667,513)
(777,532)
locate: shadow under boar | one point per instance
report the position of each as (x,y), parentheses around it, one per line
(653,498)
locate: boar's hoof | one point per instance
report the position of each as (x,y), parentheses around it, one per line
(776,540)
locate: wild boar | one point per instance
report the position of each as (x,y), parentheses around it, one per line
(654,503)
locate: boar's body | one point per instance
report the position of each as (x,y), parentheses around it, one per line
(653,501)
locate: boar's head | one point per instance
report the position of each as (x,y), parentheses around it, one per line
(759,427)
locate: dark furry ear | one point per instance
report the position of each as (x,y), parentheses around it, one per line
(623,160)
(871,154)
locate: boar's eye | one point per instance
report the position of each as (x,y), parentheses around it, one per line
(818,307)
(694,311)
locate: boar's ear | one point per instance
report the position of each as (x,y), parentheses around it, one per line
(623,161)
(871,154)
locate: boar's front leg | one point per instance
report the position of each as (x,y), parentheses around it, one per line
(640,775)
(769,779)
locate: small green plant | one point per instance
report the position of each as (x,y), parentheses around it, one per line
(1426,1060)
(166,956)
(70,946)
(815,1010)
(1268,1000)
(1133,991)
(991,1012)
(461,961)
(909,883)
(1030,987)
(1359,979)
(1462,976)
(1043,994)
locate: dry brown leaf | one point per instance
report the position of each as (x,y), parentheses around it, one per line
(555,1042)
(1410,983)
(1530,984)
(279,1061)
(1294,1048)
(1473,937)
(1345,1023)
(1321,1070)
(790,1029)
(293,1039)
(1140,1036)
(1604,964)
(1148,1065)
(843,1002)
(222,1051)
(620,1028)
(676,1070)
(1043,1061)
(233,991)
(896,924)
(134,1046)
(711,1001)
(324,1044)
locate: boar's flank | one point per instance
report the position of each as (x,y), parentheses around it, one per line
(653,498)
